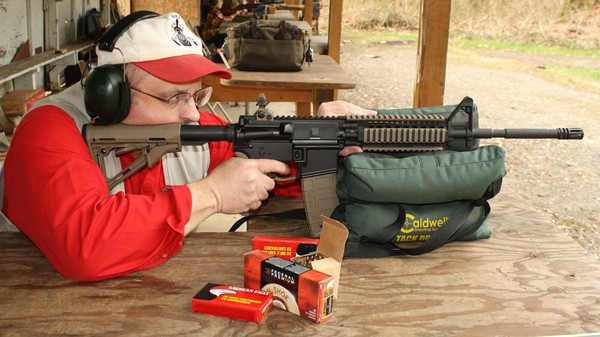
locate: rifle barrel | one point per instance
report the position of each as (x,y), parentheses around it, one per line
(559,133)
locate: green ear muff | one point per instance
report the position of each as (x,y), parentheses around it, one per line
(107,96)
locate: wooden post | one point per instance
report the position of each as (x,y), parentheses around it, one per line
(189,10)
(432,52)
(126,7)
(334,38)
(308,11)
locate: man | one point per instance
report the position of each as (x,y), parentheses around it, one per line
(210,28)
(56,194)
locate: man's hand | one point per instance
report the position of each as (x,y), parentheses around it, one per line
(343,108)
(239,185)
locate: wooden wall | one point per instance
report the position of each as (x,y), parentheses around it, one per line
(188,9)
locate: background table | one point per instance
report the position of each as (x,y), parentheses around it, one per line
(528,279)
(280,14)
(314,84)
(298,23)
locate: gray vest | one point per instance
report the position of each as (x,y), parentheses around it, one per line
(180,168)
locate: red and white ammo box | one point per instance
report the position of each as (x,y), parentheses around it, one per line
(233,302)
(306,285)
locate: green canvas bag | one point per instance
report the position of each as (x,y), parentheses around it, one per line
(413,203)
(267,45)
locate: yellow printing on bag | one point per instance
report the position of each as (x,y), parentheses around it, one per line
(419,229)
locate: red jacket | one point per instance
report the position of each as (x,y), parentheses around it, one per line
(57,196)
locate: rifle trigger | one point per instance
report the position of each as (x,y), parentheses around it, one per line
(279,178)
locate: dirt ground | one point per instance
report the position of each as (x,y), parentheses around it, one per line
(560,178)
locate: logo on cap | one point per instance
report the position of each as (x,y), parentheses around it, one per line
(178,37)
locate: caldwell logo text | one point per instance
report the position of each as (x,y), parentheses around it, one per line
(418,229)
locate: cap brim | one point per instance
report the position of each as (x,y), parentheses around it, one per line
(184,68)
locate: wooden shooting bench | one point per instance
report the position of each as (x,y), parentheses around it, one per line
(314,84)
(528,279)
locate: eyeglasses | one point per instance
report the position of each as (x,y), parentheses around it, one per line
(201,97)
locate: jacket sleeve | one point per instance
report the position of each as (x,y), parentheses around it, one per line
(57,196)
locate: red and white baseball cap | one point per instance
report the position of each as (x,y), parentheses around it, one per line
(165,47)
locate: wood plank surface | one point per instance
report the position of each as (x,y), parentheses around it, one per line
(315,83)
(323,73)
(223,93)
(529,279)
(300,24)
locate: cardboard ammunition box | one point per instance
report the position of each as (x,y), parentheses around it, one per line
(18,102)
(307,284)
(233,302)
(285,248)
(300,290)
(330,251)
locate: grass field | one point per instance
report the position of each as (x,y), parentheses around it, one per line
(552,27)
(566,24)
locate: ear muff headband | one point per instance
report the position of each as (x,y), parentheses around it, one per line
(108,40)
(107,96)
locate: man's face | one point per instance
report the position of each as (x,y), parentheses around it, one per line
(148,110)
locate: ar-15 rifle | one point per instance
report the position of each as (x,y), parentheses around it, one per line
(311,142)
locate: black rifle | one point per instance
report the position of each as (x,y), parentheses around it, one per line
(311,142)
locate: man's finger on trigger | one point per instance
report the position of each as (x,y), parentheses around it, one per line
(270,165)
